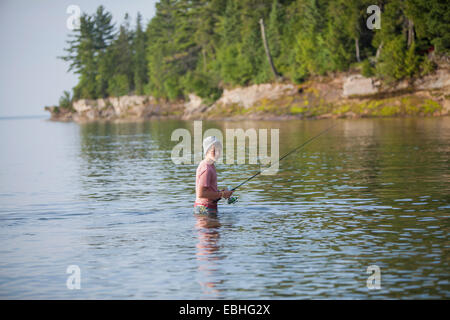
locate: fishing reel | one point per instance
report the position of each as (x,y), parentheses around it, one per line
(232,199)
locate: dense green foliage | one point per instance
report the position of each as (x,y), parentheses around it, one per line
(204,46)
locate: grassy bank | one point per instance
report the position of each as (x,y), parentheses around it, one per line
(311,105)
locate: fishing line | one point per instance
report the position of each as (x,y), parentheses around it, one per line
(233,199)
(290,152)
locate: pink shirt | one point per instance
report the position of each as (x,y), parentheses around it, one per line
(206,176)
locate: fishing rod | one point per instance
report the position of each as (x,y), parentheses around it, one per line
(290,152)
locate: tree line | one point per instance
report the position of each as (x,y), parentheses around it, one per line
(204,46)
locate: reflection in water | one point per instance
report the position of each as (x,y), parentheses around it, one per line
(207,253)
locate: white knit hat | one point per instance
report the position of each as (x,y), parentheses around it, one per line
(209,142)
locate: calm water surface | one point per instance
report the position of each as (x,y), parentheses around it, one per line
(108,198)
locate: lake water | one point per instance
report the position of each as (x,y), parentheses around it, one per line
(107,198)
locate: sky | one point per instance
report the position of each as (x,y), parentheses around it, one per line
(33,34)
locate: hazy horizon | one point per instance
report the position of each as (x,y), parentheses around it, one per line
(33,35)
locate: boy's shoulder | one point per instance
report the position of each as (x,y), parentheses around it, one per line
(204,166)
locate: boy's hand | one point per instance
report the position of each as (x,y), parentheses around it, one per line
(227,194)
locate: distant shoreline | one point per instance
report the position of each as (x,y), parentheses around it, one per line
(23,117)
(344,95)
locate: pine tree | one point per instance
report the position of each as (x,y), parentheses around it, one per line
(81,55)
(172,51)
(104,29)
(122,56)
(339,43)
(312,54)
(86,52)
(139,57)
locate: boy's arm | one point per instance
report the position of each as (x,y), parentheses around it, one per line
(208,194)
(214,195)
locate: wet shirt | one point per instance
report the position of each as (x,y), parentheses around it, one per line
(206,176)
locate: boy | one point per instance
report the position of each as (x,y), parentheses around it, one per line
(206,190)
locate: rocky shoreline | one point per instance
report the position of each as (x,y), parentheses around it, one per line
(340,96)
